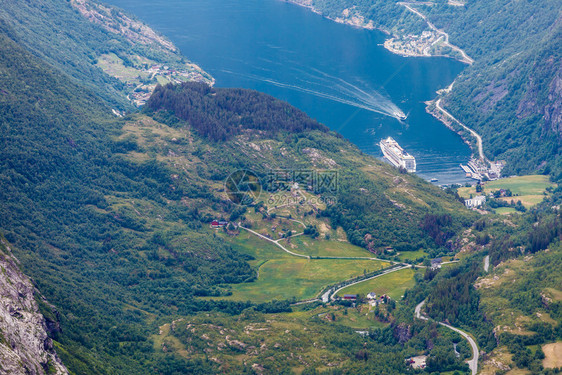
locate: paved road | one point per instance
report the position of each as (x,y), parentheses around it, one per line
(417,311)
(476,135)
(473,362)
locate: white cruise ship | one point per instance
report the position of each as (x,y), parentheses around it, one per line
(396,155)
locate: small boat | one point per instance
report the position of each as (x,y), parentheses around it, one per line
(400,115)
(433,180)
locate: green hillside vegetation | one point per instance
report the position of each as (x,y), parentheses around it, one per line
(514,309)
(56,32)
(301,341)
(376,206)
(110,216)
(522,297)
(86,222)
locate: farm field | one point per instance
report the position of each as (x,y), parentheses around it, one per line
(306,245)
(505,210)
(522,185)
(300,278)
(528,189)
(393,284)
(283,276)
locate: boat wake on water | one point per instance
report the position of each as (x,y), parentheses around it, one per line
(323,85)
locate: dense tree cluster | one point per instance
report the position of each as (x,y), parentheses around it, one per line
(220,113)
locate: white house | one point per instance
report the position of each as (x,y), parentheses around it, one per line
(475,202)
(371,295)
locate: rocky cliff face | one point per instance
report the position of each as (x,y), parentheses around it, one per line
(553,110)
(25,347)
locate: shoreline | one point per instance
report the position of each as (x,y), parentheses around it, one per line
(356,21)
(359,22)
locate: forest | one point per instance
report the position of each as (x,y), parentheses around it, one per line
(220,113)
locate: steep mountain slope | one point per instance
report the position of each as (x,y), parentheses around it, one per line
(58,173)
(511,93)
(116,56)
(377,206)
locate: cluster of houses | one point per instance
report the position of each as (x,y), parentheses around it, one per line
(372,298)
(436,263)
(142,92)
(480,200)
(219,223)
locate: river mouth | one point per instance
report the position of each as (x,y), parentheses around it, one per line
(340,75)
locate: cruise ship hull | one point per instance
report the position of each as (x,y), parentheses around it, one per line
(396,155)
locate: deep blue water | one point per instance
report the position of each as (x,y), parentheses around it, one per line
(338,74)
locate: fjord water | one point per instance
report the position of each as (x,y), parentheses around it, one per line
(337,74)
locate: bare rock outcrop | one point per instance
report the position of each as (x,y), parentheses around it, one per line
(25,347)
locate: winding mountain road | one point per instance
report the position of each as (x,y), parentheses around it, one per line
(465,57)
(473,362)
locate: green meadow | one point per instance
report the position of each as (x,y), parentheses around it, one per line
(308,246)
(393,284)
(284,276)
(530,190)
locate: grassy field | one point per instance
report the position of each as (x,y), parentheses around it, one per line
(357,318)
(113,65)
(528,189)
(522,185)
(300,278)
(393,284)
(505,210)
(283,276)
(412,255)
(308,246)
(526,200)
